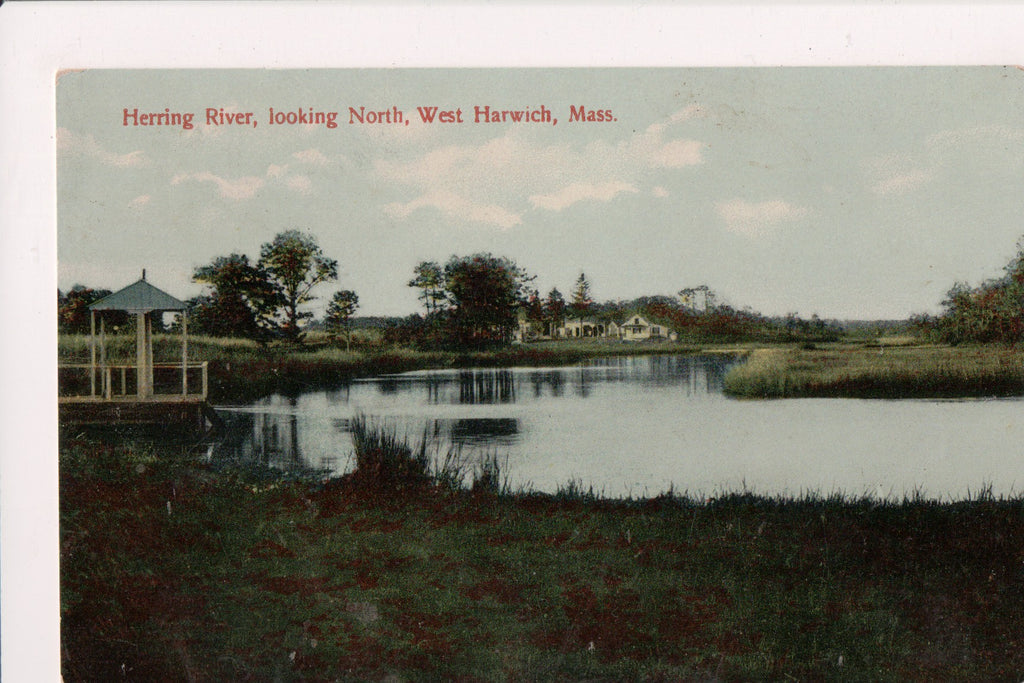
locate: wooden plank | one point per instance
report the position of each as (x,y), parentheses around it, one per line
(185,413)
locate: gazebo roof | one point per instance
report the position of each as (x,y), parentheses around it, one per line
(139,297)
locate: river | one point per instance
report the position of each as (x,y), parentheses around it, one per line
(640,425)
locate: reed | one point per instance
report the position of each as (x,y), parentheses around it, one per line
(879,372)
(386,461)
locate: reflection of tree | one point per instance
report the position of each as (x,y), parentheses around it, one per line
(295,456)
(339,395)
(553,378)
(434,385)
(486,387)
(387,386)
(583,386)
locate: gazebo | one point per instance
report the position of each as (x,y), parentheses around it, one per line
(142,300)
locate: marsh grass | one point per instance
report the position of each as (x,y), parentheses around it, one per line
(879,371)
(385,460)
(170,571)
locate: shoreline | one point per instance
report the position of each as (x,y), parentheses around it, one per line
(242,371)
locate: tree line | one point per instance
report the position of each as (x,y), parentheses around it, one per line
(992,312)
(469,302)
(260,300)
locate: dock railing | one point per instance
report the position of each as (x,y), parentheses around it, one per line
(112,382)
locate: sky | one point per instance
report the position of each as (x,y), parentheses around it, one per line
(851,193)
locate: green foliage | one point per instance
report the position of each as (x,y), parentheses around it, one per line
(73,310)
(472,304)
(581,301)
(295,264)
(340,311)
(993,312)
(241,301)
(429,279)
(386,462)
(485,292)
(554,310)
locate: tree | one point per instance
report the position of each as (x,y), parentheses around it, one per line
(554,310)
(340,311)
(991,312)
(430,279)
(485,293)
(534,307)
(581,301)
(242,301)
(73,308)
(295,264)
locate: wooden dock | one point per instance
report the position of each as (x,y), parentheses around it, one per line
(192,412)
(102,397)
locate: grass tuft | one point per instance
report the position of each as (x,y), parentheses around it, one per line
(386,461)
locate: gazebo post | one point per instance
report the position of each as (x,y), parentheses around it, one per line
(143,356)
(92,353)
(105,377)
(184,353)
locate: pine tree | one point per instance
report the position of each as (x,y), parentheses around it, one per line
(581,301)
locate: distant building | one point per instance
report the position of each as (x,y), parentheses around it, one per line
(575,328)
(636,328)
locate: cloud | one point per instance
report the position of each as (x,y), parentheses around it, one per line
(578,192)
(900,183)
(276,171)
(245,187)
(314,157)
(757,219)
(659,191)
(452,204)
(70,143)
(140,202)
(677,154)
(497,181)
(957,138)
(300,183)
(898,174)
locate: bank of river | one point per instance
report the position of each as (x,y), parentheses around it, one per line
(170,571)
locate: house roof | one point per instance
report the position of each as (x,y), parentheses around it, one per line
(139,297)
(642,321)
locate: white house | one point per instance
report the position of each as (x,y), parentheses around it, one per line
(575,328)
(636,328)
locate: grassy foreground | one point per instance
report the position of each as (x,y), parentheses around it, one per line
(171,571)
(879,371)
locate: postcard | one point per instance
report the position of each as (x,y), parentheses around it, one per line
(429,372)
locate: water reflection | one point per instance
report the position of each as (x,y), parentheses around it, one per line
(486,387)
(637,425)
(312,430)
(489,432)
